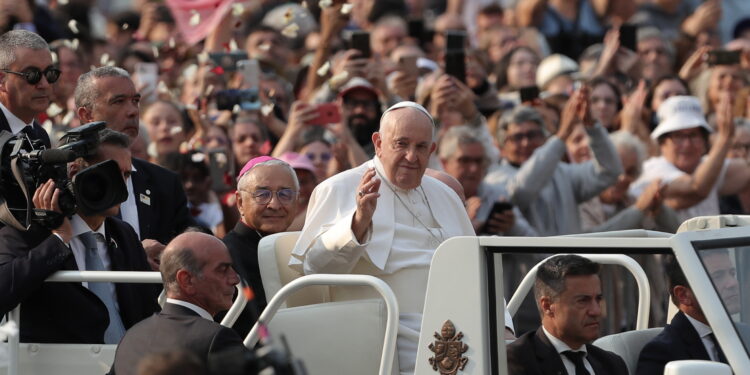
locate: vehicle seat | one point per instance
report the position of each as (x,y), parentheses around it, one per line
(63,359)
(354,347)
(273,258)
(628,345)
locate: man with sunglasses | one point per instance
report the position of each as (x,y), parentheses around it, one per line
(546,190)
(26,77)
(267,191)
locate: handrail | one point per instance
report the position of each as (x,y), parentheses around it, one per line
(137,277)
(389,341)
(644,288)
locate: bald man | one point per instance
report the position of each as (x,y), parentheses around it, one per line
(385,218)
(199,282)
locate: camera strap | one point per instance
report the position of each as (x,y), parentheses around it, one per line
(6,216)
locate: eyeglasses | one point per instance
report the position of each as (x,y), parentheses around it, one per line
(677,137)
(264,196)
(323,157)
(33,75)
(533,135)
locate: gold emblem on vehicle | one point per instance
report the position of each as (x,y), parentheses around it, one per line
(448,350)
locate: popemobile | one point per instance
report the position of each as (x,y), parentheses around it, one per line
(463,328)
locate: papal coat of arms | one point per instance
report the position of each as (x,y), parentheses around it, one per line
(448,350)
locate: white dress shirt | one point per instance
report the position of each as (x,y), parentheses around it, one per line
(561,347)
(16,124)
(198,310)
(703,332)
(128,209)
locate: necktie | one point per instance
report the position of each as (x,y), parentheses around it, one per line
(719,354)
(577,359)
(116,329)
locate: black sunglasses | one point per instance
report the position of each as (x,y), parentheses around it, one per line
(33,75)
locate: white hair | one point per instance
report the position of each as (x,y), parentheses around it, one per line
(246,178)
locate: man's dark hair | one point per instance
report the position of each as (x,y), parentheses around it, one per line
(550,276)
(491,10)
(675,277)
(108,137)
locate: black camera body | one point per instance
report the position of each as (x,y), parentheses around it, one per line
(25,165)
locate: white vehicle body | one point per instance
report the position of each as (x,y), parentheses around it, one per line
(464,287)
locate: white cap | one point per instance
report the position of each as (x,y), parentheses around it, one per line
(554,66)
(408,104)
(680,113)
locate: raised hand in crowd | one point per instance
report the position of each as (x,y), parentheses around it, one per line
(299,116)
(576,111)
(347,66)
(705,18)
(631,115)
(650,201)
(695,64)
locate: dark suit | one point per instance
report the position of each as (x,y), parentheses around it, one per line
(679,340)
(242,242)
(161,202)
(176,327)
(532,353)
(68,312)
(36,132)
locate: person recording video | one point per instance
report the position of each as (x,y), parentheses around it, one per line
(76,312)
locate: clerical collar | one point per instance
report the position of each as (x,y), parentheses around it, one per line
(245,230)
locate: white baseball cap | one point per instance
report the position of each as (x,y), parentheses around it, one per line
(680,113)
(554,66)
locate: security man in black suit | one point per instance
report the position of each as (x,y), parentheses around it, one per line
(76,312)
(688,336)
(568,293)
(26,77)
(157,206)
(199,281)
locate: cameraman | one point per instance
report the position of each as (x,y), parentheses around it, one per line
(76,312)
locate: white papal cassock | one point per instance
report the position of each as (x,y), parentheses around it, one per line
(407,227)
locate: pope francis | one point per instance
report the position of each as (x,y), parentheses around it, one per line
(385,218)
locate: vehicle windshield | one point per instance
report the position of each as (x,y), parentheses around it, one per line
(729,271)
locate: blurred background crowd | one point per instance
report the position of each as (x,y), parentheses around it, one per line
(666,138)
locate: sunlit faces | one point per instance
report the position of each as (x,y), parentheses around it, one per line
(521,140)
(320,155)
(724,78)
(165,127)
(214,288)
(21,98)
(247,140)
(684,148)
(654,58)
(603,102)
(575,314)
(665,90)
(404,145)
(578,145)
(467,165)
(117,102)
(522,69)
(276,215)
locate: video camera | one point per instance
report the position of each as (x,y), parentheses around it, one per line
(25,165)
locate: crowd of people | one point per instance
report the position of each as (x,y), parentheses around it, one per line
(376,128)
